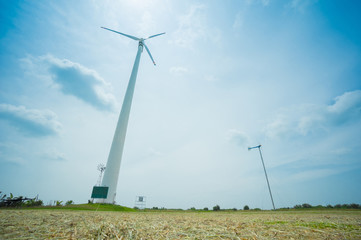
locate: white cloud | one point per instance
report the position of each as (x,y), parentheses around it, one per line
(32,122)
(9,154)
(53,154)
(151,152)
(16,160)
(238,137)
(301,5)
(14,153)
(192,27)
(341,151)
(315,174)
(146,24)
(81,82)
(178,70)
(210,78)
(348,103)
(265,2)
(307,119)
(278,127)
(238,21)
(74,79)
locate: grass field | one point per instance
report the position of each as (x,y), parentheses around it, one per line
(76,224)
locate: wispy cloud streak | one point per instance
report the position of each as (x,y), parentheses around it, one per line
(238,137)
(30,122)
(307,119)
(192,27)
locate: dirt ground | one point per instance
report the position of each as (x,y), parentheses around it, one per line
(66,224)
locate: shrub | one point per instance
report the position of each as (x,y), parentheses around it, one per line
(70,202)
(205,209)
(20,201)
(246,207)
(2,196)
(355,205)
(306,205)
(33,203)
(216,208)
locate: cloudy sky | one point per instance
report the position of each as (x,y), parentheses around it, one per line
(229,75)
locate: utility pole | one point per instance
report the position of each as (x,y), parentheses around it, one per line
(265,173)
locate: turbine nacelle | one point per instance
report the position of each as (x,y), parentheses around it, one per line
(140,40)
(249,148)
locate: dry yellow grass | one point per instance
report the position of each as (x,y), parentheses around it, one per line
(65,224)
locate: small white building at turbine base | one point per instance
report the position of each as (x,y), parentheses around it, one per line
(111,174)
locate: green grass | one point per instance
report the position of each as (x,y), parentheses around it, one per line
(275,222)
(325,225)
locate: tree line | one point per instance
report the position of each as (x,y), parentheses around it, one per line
(21,201)
(246,207)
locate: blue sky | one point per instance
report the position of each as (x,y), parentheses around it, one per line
(229,74)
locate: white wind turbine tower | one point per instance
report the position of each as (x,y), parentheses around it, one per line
(111,173)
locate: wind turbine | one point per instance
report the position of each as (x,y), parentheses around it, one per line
(265,173)
(111,173)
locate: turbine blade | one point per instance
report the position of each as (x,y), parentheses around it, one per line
(150,55)
(154,35)
(129,36)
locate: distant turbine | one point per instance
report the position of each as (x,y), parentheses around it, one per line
(265,173)
(111,173)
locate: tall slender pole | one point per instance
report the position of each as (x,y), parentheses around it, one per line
(265,173)
(111,174)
